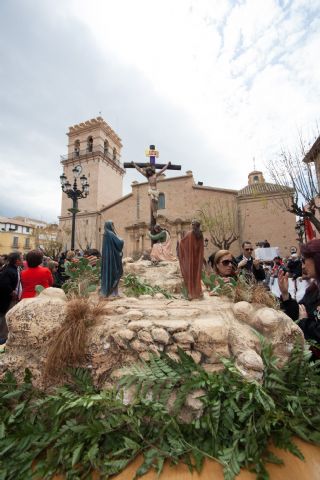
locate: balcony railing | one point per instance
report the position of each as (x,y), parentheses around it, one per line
(87,152)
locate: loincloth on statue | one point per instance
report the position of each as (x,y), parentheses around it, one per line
(154,194)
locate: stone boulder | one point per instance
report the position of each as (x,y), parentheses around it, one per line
(30,324)
(166,275)
(131,329)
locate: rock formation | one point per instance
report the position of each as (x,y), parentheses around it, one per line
(166,274)
(131,329)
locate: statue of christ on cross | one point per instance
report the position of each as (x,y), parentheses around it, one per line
(149,171)
(151,175)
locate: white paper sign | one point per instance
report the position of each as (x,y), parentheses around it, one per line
(266,254)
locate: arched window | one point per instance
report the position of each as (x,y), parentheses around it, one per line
(77,148)
(161,201)
(106,147)
(89,144)
(256,179)
(114,154)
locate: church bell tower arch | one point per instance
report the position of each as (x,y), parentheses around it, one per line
(97,149)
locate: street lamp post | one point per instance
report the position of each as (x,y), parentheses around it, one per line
(73,192)
(299,228)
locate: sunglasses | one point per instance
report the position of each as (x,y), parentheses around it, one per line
(249,249)
(225,263)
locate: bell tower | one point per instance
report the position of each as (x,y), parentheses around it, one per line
(97,149)
(255,177)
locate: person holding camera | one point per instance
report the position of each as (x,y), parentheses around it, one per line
(307,311)
(294,264)
(251,267)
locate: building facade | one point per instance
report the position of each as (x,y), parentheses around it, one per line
(22,234)
(313,155)
(15,236)
(97,149)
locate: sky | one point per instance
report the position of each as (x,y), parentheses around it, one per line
(213,84)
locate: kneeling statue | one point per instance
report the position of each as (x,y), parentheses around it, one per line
(162,249)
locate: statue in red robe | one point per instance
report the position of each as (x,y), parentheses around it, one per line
(191,253)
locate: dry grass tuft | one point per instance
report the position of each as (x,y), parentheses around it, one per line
(242,292)
(263,297)
(68,344)
(254,293)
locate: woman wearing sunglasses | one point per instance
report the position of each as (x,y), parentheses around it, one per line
(307,311)
(224,264)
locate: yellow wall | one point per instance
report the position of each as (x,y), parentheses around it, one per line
(6,242)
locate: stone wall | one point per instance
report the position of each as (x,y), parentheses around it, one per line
(266,217)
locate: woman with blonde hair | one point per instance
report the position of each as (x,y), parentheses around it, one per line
(224,264)
(53,267)
(70,255)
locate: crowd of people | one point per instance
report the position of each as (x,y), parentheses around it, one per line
(21,274)
(262,271)
(297,280)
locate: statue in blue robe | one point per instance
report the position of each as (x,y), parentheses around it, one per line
(111,268)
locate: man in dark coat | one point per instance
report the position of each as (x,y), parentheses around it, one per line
(191,252)
(9,285)
(294,264)
(251,267)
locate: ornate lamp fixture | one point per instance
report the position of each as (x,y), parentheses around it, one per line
(74,192)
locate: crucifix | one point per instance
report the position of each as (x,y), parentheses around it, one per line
(149,170)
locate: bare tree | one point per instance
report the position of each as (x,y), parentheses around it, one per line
(220,220)
(47,240)
(293,170)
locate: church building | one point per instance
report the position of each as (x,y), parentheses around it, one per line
(96,148)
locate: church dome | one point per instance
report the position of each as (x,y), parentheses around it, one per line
(258,186)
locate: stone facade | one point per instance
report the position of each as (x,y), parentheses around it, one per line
(260,212)
(263,215)
(97,149)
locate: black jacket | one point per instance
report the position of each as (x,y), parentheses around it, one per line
(8,282)
(250,270)
(295,267)
(310,325)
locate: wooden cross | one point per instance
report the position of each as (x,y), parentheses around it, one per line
(149,170)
